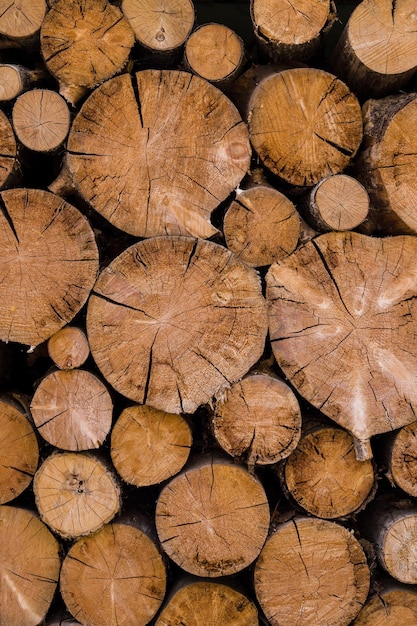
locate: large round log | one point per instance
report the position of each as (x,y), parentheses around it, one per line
(29,567)
(199,322)
(342,327)
(311,572)
(155,153)
(49,264)
(212,519)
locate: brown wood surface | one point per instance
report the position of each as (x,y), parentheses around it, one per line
(68,348)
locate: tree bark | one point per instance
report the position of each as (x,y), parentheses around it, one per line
(84,44)
(116,576)
(215,52)
(387,162)
(199,318)
(72,410)
(261,225)
(76,494)
(212,520)
(337,202)
(41,120)
(341,327)
(161,26)
(324,477)
(50,262)
(206,602)
(68,348)
(377,52)
(156,153)
(29,567)
(289,31)
(311,572)
(259,420)
(149,446)
(19,450)
(304,124)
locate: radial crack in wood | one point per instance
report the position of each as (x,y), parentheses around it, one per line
(156,153)
(173,321)
(341,318)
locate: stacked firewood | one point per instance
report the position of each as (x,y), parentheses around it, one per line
(208,333)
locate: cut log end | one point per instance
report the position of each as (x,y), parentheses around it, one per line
(68,348)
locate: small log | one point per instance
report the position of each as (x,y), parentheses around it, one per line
(20,20)
(377,51)
(324,477)
(8,152)
(175,147)
(14,79)
(41,119)
(390,607)
(259,420)
(84,44)
(212,519)
(29,567)
(337,202)
(387,163)
(261,225)
(304,124)
(391,525)
(341,322)
(291,31)
(207,602)
(199,318)
(215,52)
(76,493)
(309,572)
(399,451)
(50,263)
(162,25)
(72,410)
(68,348)
(148,445)
(116,576)
(19,450)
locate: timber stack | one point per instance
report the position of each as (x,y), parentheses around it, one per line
(208,318)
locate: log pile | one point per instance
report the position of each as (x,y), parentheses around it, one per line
(208,353)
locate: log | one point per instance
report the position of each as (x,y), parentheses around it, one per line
(212,519)
(261,225)
(14,79)
(41,119)
(84,44)
(388,608)
(19,450)
(207,602)
(377,52)
(324,477)
(342,329)
(338,202)
(116,576)
(72,410)
(401,459)
(391,526)
(162,25)
(304,124)
(68,348)
(289,31)
(259,420)
(75,493)
(149,446)
(311,572)
(199,319)
(215,52)
(387,162)
(175,147)
(8,152)
(29,567)
(20,21)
